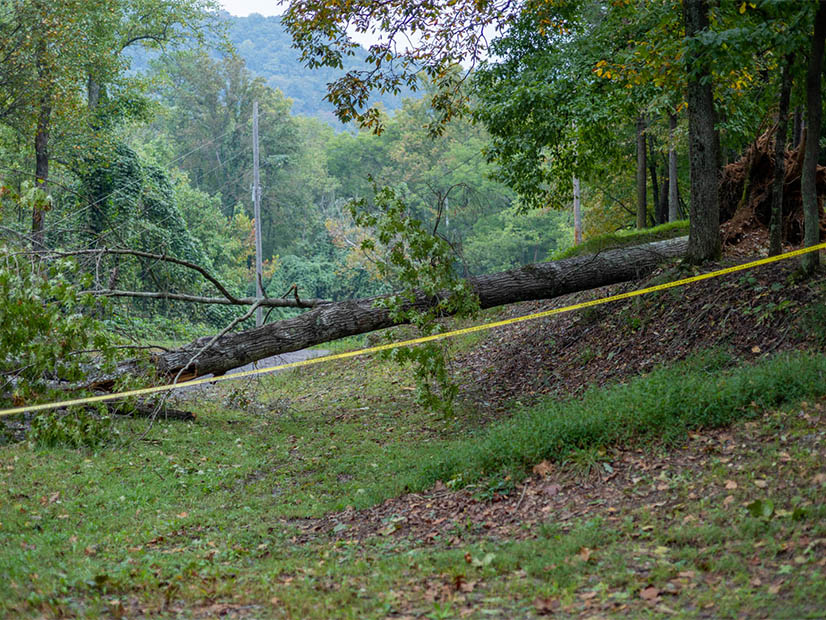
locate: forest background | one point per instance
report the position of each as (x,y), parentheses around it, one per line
(167,168)
(129,126)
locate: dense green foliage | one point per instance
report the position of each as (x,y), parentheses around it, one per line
(415,262)
(46,322)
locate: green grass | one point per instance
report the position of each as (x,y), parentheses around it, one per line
(662,406)
(196,516)
(625,238)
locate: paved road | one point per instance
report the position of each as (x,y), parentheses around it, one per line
(284,358)
(276,360)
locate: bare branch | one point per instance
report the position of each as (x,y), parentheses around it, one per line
(221,301)
(159,257)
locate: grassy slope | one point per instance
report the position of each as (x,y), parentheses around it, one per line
(230,515)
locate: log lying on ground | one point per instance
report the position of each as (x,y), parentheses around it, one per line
(348,318)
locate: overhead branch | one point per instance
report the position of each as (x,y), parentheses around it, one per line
(158,257)
(221,301)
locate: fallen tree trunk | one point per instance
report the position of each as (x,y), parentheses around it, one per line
(348,318)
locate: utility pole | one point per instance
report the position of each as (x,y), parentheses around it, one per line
(256,198)
(577,213)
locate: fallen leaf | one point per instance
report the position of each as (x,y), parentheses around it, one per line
(761,508)
(761,484)
(775,588)
(584,554)
(49,499)
(552,489)
(546,606)
(731,485)
(182,515)
(543,469)
(649,593)
(819,479)
(729,500)
(755,349)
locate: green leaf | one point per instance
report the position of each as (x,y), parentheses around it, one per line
(761,508)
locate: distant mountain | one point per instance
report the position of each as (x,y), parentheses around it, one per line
(266,47)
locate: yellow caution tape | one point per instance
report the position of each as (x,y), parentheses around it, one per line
(414,341)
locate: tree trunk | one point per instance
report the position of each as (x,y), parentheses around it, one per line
(642,208)
(811,206)
(662,206)
(797,131)
(655,186)
(41,155)
(703,141)
(349,318)
(92,93)
(776,222)
(673,197)
(577,213)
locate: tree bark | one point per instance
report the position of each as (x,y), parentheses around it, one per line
(776,222)
(673,197)
(642,207)
(348,318)
(662,206)
(811,206)
(92,92)
(655,185)
(797,131)
(577,213)
(703,142)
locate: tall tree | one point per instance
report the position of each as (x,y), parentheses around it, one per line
(776,223)
(673,188)
(811,205)
(704,145)
(642,205)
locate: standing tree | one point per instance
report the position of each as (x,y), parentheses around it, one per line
(642,207)
(811,205)
(776,223)
(704,146)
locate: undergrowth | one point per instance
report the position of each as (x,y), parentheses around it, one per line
(662,406)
